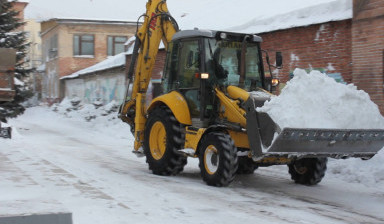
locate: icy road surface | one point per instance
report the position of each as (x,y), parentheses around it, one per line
(88,167)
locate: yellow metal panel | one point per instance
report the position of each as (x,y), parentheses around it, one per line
(275,160)
(178,105)
(157,140)
(230,110)
(237,93)
(153,30)
(139,120)
(240,139)
(192,138)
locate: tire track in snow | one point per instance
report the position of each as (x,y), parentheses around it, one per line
(266,195)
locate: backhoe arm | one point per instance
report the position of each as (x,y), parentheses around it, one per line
(158,26)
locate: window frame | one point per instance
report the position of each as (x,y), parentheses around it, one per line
(114,42)
(80,44)
(53,47)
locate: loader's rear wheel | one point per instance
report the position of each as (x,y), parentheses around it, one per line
(246,165)
(308,171)
(162,140)
(218,159)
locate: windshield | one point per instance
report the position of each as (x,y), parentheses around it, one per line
(224,64)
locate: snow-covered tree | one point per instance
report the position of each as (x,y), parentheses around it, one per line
(10,37)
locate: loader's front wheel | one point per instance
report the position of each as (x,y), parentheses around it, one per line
(162,140)
(218,160)
(308,171)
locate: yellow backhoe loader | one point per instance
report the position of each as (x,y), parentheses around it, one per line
(213,82)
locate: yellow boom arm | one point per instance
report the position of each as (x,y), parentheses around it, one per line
(158,26)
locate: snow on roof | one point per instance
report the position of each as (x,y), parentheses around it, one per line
(73,20)
(109,63)
(24,1)
(333,11)
(256,16)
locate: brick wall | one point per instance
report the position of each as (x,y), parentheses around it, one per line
(326,47)
(7,91)
(65,62)
(368,48)
(7,63)
(157,73)
(19,7)
(158,67)
(68,63)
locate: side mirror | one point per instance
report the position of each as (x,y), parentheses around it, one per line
(279,59)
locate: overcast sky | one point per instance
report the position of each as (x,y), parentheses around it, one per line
(189,13)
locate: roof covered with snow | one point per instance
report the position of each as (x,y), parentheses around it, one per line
(109,63)
(253,16)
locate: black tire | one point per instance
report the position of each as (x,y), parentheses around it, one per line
(308,171)
(217,159)
(170,162)
(246,165)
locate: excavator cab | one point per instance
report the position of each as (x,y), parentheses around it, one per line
(198,61)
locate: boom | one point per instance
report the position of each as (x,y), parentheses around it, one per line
(158,26)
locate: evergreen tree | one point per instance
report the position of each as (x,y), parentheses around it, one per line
(11,38)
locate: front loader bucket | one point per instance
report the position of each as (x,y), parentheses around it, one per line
(335,143)
(306,142)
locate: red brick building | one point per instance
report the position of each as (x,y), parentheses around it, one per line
(350,50)
(368,48)
(70,45)
(325,47)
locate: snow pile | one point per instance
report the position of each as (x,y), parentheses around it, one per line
(74,108)
(353,170)
(315,100)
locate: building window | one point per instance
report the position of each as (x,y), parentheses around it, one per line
(116,45)
(52,47)
(83,45)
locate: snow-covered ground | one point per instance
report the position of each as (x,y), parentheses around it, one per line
(87,168)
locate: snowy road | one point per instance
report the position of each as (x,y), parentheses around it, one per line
(88,167)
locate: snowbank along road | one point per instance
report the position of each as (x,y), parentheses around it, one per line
(88,167)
